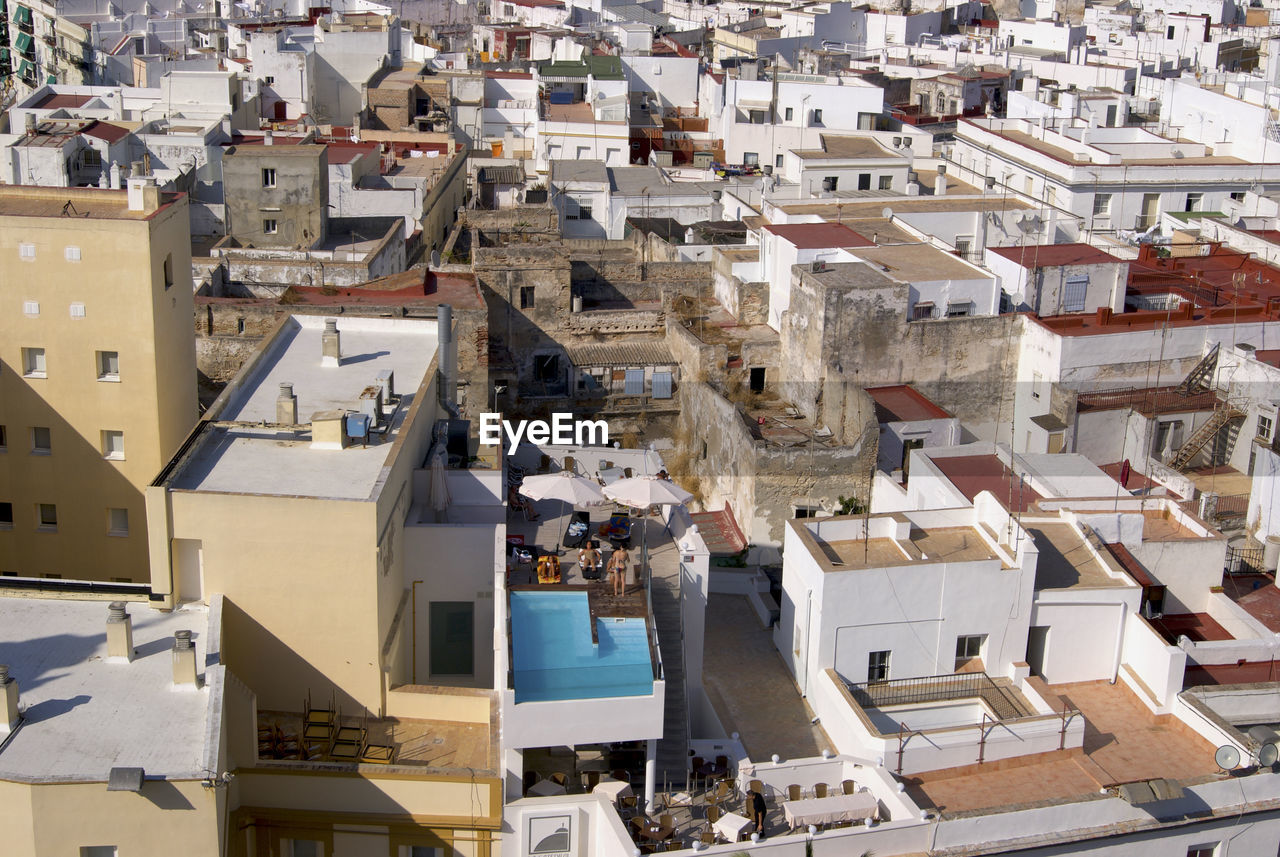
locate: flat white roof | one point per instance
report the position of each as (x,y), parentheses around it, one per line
(82,716)
(246,460)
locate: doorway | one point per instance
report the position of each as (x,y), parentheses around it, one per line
(1037,641)
(757,379)
(452,638)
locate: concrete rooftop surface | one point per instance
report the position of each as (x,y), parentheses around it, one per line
(82,715)
(249,460)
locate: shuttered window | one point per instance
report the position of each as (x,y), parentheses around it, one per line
(634,382)
(662,385)
(1073,295)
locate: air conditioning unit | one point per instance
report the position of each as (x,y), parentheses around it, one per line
(817,266)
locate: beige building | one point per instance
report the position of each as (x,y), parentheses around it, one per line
(98,383)
(294,519)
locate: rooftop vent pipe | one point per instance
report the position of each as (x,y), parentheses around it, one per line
(331,344)
(287,405)
(184,660)
(448,359)
(8,701)
(119,632)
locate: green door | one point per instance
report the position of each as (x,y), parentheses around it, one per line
(452,638)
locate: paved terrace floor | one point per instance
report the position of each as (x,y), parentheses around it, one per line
(1123,742)
(1257,594)
(751,690)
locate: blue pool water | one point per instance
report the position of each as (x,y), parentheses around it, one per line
(554,658)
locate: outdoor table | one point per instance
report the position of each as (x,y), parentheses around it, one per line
(711,769)
(615,789)
(546,788)
(655,832)
(731,826)
(830,810)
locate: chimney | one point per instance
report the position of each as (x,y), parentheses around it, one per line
(940,183)
(268,138)
(9,716)
(327,430)
(448,353)
(331,344)
(143,194)
(184,660)
(119,633)
(31,123)
(287,405)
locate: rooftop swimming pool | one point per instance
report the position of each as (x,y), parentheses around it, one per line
(554,658)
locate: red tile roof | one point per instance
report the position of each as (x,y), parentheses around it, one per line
(54,100)
(818,236)
(720,531)
(903,403)
(345,153)
(973,474)
(106,131)
(1055,255)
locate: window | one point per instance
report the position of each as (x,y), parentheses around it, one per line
(886,183)
(750,159)
(1237,196)
(72,253)
(117,522)
(27,252)
(964,243)
(817,117)
(526,297)
(1265,425)
(269,80)
(268,176)
(113,444)
(1074,292)
(831,183)
(968,648)
(41,440)
(633,382)
(1102,205)
(33,365)
(584,212)
(97,850)
(30,307)
(878,666)
(777,162)
(6,516)
(806,511)
(1193,201)
(453,642)
(1168,34)
(108,365)
(789,113)
(4,439)
(168,271)
(269,226)
(46,516)
(959,310)
(1202,850)
(76,310)
(1036,380)
(922,310)
(239,325)
(864,181)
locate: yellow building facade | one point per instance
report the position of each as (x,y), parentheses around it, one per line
(97,373)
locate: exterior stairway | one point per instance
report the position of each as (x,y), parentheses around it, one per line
(673,749)
(1225,413)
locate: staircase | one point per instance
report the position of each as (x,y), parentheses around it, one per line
(1200,377)
(673,748)
(1225,413)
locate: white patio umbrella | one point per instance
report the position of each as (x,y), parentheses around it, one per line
(565,486)
(645,492)
(439,485)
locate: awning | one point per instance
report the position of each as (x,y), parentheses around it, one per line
(22,15)
(23,42)
(4,55)
(25,68)
(53,78)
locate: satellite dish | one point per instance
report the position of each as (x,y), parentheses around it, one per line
(887,213)
(1268,754)
(1227,757)
(435,258)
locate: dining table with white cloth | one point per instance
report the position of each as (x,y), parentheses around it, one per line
(615,789)
(731,825)
(546,788)
(830,810)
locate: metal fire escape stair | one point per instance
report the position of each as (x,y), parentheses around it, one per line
(1225,413)
(1201,376)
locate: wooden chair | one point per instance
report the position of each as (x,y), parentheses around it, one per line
(849,787)
(544,464)
(723,763)
(317,723)
(820,790)
(757,786)
(707,837)
(569,464)
(378,754)
(619,774)
(722,791)
(696,763)
(629,806)
(592,780)
(793,792)
(665,821)
(560,780)
(713,814)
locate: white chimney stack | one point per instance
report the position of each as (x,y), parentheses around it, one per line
(143,195)
(184,661)
(331,344)
(30,123)
(9,716)
(940,183)
(268,138)
(287,405)
(119,633)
